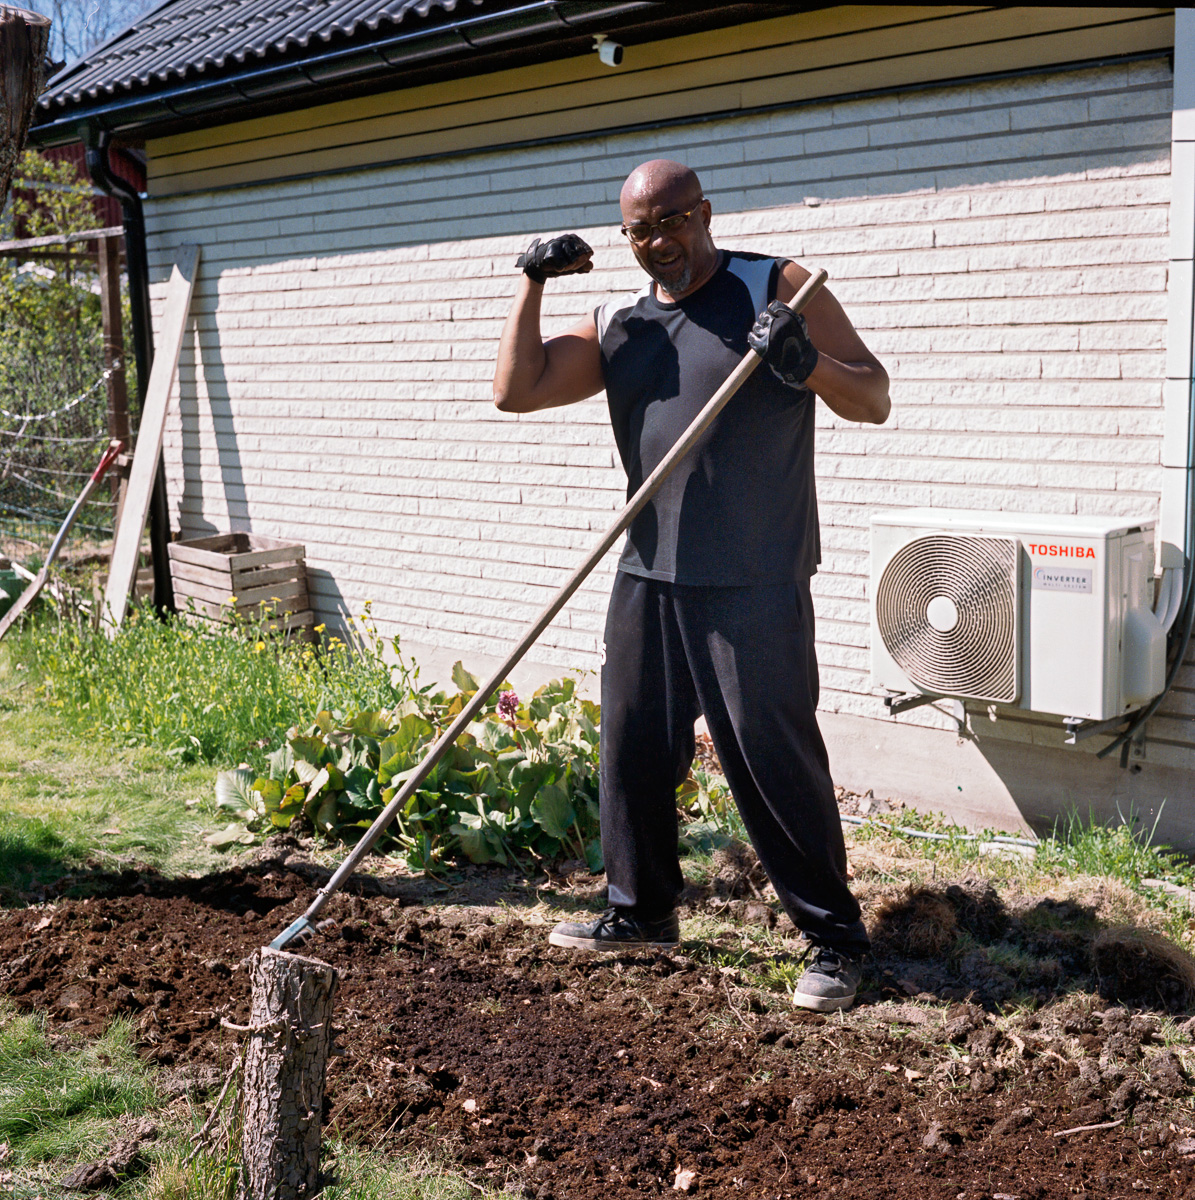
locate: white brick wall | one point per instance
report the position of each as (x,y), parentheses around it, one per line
(1002,246)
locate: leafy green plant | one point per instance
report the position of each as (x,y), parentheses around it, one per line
(709,816)
(330,733)
(521,781)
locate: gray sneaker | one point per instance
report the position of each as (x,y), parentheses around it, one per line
(830,981)
(615,930)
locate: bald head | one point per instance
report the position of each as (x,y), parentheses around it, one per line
(661,181)
(680,255)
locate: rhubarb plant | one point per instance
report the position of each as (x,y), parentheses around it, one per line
(519,785)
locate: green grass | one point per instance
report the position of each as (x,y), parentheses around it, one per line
(198,691)
(60,1105)
(1123,852)
(357,1174)
(68,803)
(361,1175)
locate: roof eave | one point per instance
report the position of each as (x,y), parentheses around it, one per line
(489,41)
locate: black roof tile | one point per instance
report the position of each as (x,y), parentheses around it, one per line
(181,39)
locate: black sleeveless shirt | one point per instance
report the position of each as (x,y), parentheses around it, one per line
(741,509)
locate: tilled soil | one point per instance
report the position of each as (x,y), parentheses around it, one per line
(567,1076)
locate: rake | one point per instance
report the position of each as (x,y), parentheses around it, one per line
(652,484)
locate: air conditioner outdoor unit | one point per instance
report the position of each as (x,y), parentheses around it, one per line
(1048,613)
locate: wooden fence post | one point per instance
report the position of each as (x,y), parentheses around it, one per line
(114,359)
(283,1082)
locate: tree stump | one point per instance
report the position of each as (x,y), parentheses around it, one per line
(24,37)
(290,1037)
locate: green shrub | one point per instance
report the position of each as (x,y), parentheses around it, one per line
(521,781)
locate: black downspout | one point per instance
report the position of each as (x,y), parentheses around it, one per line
(137,260)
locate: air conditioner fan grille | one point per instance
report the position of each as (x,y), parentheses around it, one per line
(946,608)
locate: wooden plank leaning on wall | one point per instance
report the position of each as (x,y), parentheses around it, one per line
(126,547)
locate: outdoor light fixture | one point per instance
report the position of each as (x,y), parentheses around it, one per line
(609,52)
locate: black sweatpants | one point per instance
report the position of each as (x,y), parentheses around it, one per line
(745,657)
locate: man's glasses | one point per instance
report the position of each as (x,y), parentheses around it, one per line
(641,233)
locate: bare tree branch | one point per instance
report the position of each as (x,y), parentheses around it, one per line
(81,25)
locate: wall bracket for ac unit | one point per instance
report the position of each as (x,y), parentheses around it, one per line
(1076,729)
(903,701)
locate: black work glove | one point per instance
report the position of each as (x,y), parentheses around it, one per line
(781,338)
(555,257)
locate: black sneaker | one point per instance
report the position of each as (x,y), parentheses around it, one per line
(615,930)
(830,981)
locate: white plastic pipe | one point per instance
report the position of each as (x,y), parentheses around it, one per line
(1170,597)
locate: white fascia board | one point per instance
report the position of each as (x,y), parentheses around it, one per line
(1182,200)
(1176,413)
(1176,422)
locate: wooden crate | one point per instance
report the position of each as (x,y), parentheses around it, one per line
(267,576)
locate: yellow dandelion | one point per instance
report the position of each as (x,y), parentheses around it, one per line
(320,628)
(231,600)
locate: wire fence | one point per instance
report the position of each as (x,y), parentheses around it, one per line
(45,459)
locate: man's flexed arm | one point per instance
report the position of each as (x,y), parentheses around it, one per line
(532,374)
(826,354)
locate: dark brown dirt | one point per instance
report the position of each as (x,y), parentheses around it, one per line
(584,1078)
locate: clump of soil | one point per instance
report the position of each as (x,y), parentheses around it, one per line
(738,872)
(978,909)
(611,1077)
(1141,967)
(917,923)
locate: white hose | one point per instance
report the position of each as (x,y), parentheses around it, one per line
(1002,839)
(1165,594)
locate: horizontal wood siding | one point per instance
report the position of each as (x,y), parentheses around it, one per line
(1001,245)
(833,51)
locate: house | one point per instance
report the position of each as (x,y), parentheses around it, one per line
(1004,198)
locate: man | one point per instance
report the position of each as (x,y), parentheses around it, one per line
(710,611)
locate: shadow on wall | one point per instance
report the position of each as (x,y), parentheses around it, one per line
(328,600)
(201,360)
(984,781)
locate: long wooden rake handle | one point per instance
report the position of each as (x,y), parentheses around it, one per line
(650,486)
